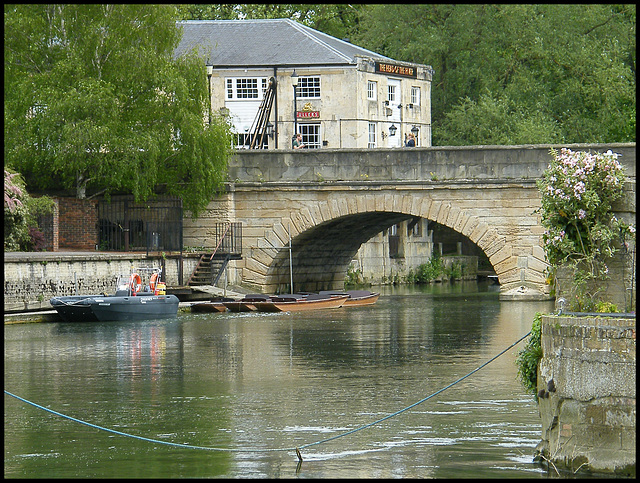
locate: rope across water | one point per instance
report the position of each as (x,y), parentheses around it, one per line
(266,450)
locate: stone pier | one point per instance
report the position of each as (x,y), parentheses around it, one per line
(587,394)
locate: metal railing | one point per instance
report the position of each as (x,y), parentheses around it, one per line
(228,238)
(124,225)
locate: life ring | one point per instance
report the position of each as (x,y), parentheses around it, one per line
(135,282)
(153,279)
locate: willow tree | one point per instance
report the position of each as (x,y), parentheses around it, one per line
(96,102)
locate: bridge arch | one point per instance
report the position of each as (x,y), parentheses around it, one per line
(325,236)
(486,193)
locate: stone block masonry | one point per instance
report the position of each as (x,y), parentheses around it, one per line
(587,394)
(31,279)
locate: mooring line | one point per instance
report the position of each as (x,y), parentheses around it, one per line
(266,450)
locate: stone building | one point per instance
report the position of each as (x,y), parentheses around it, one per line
(346,96)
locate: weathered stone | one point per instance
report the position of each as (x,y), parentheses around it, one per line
(589,421)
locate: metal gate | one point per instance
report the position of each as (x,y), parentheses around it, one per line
(124,225)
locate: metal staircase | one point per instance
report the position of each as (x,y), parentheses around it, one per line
(211,266)
(259,126)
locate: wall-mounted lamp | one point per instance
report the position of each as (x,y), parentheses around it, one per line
(270,129)
(415,130)
(392,130)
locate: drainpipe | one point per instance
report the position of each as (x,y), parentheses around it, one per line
(275,76)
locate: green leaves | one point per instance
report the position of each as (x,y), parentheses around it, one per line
(577,193)
(517,74)
(95,102)
(528,358)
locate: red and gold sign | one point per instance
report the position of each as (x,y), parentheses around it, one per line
(307,114)
(395,69)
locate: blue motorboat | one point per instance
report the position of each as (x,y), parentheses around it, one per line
(132,300)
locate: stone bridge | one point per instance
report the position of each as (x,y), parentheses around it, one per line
(326,203)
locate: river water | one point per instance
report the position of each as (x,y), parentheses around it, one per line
(256,386)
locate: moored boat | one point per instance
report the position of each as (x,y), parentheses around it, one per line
(357,297)
(131,301)
(75,308)
(245,304)
(211,306)
(299,302)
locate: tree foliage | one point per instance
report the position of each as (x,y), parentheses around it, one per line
(95,102)
(21,212)
(504,73)
(510,74)
(582,234)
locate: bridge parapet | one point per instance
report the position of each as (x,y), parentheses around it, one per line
(330,202)
(408,164)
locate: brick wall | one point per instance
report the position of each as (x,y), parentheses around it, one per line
(77,224)
(49,224)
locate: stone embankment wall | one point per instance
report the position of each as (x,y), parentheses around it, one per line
(31,279)
(587,394)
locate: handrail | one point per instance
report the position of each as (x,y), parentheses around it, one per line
(220,241)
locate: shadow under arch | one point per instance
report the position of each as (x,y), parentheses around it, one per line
(325,236)
(321,254)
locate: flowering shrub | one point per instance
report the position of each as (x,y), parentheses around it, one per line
(12,191)
(21,212)
(578,190)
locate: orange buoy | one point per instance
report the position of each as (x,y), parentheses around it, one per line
(153,279)
(135,282)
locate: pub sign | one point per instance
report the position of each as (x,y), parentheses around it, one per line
(396,69)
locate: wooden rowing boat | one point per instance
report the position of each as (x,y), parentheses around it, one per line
(356,297)
(361,297)
(208,307)
(297,302)
(245,304)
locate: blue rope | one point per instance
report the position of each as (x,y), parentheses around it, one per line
(265,450)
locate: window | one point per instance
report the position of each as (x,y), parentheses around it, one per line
(415,96)
(395,250)
(308,87)
(391,93)
(372,135)
(371,90)
(310,135)
(415,227)
(246,88)
(243,141)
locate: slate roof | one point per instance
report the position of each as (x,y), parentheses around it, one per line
(267,42)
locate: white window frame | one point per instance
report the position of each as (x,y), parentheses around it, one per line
(308,87)
(372,135)
(234,85)
(243,141)
(391,93)
(372,90)
(311,135)
(415,95)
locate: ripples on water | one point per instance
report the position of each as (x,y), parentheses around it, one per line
(252,383)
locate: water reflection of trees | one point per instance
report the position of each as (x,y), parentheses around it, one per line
(398,331)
